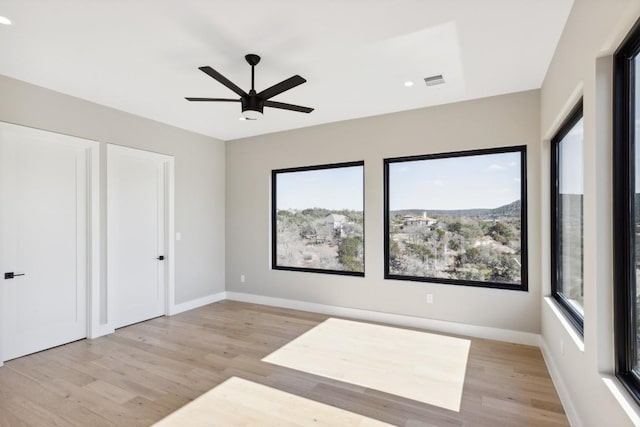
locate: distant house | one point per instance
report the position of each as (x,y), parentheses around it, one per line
(336,221)
(421,221)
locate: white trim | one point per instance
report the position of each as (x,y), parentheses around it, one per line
(569,328)
(196,303)
(516,337)
(561,388)
(623,397)
(170,239)
(94,226)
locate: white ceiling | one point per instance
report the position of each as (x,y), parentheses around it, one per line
(141,56)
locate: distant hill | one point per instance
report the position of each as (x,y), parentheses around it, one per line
(511,209)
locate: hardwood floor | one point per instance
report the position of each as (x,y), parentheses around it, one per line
(421,366)
(143,372)
(240,402)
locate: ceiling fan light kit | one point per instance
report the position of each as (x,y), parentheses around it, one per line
(251,114)
(253,103)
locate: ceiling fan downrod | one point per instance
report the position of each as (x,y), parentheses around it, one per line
(253,60)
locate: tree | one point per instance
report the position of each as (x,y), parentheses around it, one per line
(455,227)
(349,253)
(420,251)
(505,269)
(307,231)
(351,229)
(395,255)
(501,231)
(457,243)
(471,256)
(316,212)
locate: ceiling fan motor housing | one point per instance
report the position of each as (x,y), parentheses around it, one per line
(252,102)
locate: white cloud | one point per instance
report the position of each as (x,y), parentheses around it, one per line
(513,164)
(516,179)
(495,167)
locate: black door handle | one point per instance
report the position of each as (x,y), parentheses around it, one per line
(160,258)
(11,275)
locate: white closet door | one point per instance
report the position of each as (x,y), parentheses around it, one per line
(137,227)
(43,239)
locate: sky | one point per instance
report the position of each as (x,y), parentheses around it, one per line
(335,189)
(468,182)
(571,179)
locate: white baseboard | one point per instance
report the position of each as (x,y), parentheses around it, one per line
(516,337)
(190,305)
(561,388)
(107,329)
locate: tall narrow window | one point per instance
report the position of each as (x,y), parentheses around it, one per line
(626,213)
(567,194)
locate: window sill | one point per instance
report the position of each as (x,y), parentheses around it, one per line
(621,395)
(569,328)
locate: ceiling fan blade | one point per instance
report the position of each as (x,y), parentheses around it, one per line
(222,79)
(284,106)
(284,85)
(213,99)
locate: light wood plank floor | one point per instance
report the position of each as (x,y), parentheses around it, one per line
(241,403)
(146,371)
(425,367)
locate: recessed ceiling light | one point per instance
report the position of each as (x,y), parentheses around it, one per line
(408,83)
(5,21)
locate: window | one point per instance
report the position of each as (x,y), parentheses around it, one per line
(318,219)
(457,218)
(626,211)
(567,194)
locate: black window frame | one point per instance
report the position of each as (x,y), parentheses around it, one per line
(624,171)
(574,317)
(524,275)
(274,219)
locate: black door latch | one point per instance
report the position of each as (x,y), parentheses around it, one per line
(11,275)
(160,258)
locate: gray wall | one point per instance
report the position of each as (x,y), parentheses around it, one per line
(492,122)
(199,172)
(582,66)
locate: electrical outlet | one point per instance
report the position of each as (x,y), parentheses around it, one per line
(242,278)
(429,298)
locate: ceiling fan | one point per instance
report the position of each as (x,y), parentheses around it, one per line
(253,103)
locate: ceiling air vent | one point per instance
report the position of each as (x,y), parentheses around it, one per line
(434,80)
